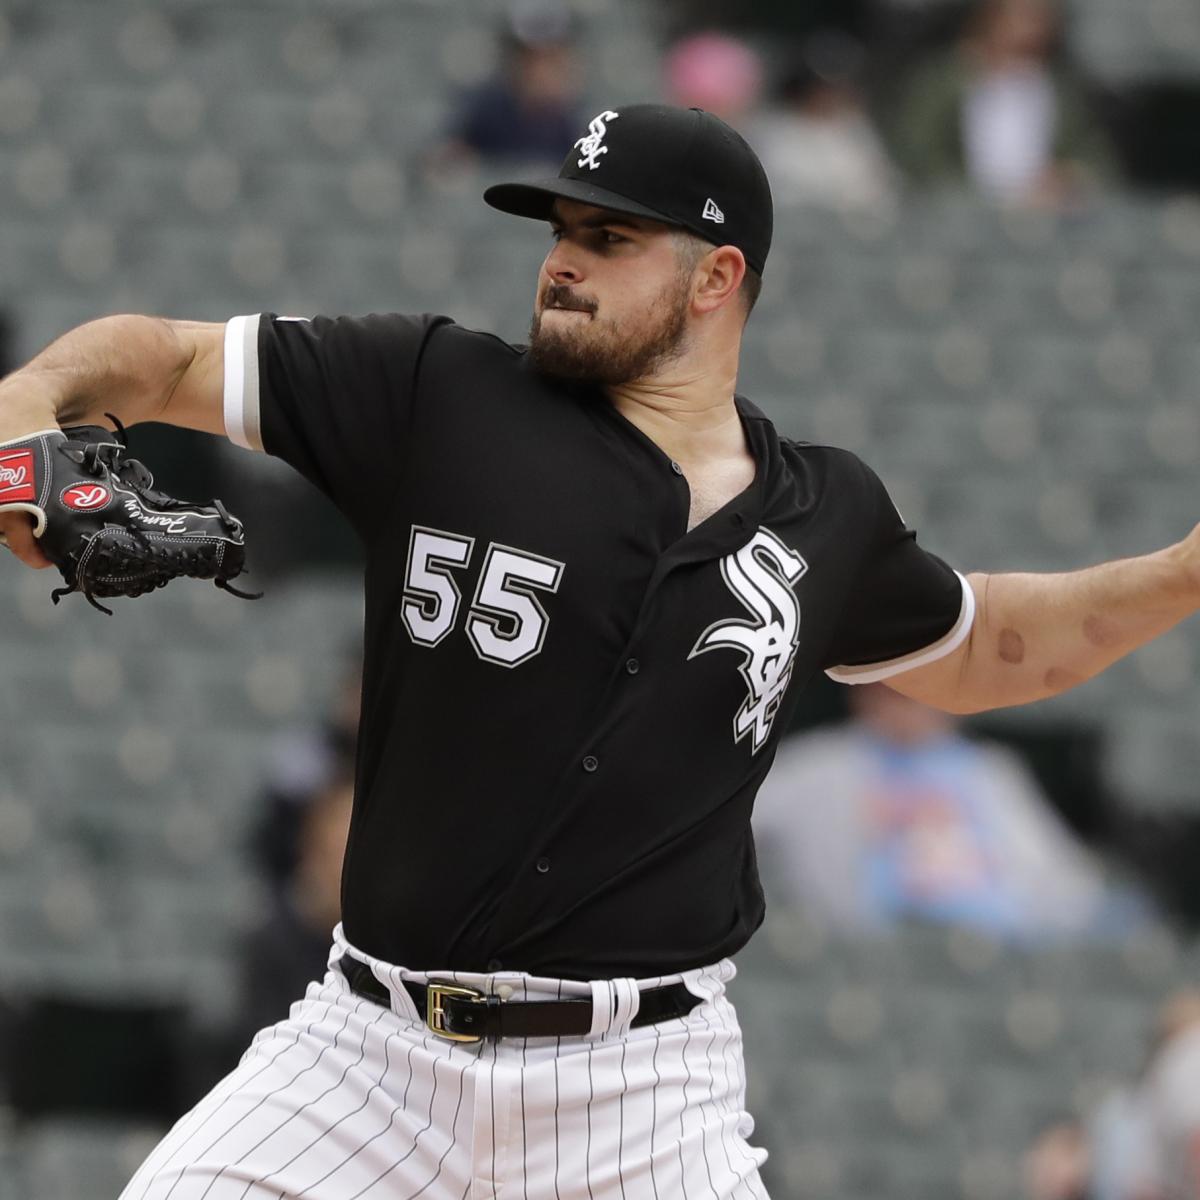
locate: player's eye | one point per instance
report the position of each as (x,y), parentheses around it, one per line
(613,238)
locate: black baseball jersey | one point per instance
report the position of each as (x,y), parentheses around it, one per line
(569,700)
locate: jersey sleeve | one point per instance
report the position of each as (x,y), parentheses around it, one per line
(906,609)
(331,396)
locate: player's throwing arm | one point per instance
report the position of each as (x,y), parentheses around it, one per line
(1035,636)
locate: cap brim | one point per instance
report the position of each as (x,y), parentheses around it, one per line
(535,200)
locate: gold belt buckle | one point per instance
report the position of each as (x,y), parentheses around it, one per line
(437,992)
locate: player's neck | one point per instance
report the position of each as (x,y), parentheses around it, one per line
(687,411)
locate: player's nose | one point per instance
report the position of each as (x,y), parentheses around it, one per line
(562,265)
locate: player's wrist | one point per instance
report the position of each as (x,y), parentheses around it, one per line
(28,406)
(1185,555)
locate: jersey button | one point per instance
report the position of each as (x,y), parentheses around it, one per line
(494,964)
(590,762)
(543,865)
(676,467)
(632,666)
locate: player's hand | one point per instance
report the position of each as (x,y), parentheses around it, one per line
(25,408)
(17,530)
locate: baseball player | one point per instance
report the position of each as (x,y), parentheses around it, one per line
(596,580)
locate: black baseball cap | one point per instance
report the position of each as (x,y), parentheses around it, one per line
(682,166)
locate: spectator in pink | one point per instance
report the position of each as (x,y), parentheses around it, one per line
(716,72)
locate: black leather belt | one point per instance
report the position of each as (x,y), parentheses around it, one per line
(463,1014)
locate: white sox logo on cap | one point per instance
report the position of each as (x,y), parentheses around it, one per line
(760,575)
(589,145)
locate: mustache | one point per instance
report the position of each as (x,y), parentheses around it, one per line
(559,295)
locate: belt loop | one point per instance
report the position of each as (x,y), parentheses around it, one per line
(629,1001)
(338,948)
(614,1005)
(402,1003)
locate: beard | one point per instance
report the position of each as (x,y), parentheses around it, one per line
(601,351)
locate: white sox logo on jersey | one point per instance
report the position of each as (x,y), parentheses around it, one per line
(589,145)
(760,575)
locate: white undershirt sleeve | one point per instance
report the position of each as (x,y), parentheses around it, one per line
(243,424)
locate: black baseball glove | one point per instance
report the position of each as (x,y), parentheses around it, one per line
(98,518)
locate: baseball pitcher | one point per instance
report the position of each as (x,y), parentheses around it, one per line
(597,579)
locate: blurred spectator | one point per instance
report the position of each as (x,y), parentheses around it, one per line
(1058,1165)
(290,947)
(716,72)
(299,763)
(1145,1135)
(297,848)
(1121,1147)
(1172,1097)
(1002,112)
(816,142)
(529,111)
(895,815)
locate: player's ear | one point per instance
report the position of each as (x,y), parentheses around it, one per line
(721,272)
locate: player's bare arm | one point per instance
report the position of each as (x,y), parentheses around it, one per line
(1035,636)
(137,368)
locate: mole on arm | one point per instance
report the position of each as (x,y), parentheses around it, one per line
(1058,679)
(1011,646)
(1099,630)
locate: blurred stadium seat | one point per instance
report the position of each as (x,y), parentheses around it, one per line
(913,1060)
(84,1158)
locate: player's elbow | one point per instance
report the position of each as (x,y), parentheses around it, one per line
(964,706)
(953,701)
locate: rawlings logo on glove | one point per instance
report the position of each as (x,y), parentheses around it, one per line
(98,518)
(85,497)
(16,476)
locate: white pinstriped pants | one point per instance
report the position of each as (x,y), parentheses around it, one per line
(347,1099)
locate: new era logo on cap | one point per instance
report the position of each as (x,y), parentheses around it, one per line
(712,212)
